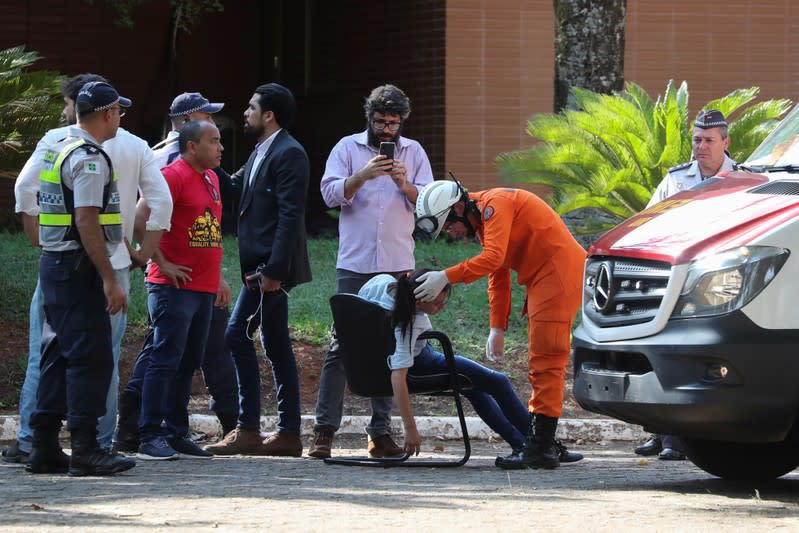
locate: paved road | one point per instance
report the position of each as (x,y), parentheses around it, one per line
(611,490)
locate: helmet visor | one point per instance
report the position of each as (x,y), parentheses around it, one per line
(428,224)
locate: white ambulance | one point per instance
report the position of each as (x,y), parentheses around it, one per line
(690,317)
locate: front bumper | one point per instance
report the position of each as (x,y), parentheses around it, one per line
(720,378)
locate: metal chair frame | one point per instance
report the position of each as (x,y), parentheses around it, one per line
(366,339)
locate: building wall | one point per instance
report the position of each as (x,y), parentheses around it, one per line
(475,70)
(716,46)
(500,69)
(500,64)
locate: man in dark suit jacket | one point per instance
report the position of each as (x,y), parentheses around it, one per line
(274,258)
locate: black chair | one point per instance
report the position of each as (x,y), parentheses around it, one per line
(366,339)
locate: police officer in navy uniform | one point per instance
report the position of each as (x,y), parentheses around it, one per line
(80,225)
(709,145)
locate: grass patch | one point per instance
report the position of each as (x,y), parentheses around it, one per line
(464,319)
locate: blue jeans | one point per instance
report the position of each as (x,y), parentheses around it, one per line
(219,370)
(492,394)
(180,320)
(27,398)
(330,402)
(76,358)
(274,321)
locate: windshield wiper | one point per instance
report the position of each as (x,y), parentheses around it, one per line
(763,168)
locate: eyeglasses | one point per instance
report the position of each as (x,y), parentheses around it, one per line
(120,109)
(381,124)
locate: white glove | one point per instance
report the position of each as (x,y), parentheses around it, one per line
(432,284)
(495,345)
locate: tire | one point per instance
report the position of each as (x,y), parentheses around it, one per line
(743,460)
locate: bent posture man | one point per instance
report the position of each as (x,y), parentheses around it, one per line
(518,231)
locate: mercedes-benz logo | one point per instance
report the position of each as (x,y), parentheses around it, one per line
(603,286)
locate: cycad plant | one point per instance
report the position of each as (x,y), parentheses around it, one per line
(29,106)
(611,153)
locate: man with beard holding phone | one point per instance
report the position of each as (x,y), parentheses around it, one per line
(376,195)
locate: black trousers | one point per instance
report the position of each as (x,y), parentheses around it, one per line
(77,358)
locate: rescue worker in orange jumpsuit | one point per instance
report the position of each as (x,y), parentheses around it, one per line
(518,231)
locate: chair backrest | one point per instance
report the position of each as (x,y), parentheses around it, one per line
(366,339)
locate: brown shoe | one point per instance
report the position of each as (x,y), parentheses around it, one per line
(320,446)
(384,446)
(282,444)
(239,441)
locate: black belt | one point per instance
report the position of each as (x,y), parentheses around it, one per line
(68,253)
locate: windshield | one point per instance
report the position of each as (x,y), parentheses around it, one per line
(781,147)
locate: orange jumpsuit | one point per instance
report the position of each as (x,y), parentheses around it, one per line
(521,232)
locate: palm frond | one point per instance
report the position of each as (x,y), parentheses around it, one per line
(29,106)
(611,152)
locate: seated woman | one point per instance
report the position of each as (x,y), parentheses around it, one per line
(492,395)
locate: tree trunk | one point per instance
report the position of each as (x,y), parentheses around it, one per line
(589,47)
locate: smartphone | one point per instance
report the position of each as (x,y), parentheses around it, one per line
(387,149)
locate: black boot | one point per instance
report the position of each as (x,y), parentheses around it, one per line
(126,438)
(228,422)
(539,450)
(88,459)
(47,457)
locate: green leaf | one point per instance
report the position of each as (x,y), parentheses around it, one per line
(613,151)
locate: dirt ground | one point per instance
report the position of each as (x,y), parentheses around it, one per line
(14,345)
(611,490)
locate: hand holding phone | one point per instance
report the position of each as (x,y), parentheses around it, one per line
(387,149)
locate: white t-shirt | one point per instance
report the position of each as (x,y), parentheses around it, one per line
(381,290)
(136,167)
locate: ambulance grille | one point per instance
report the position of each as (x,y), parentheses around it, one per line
(621,292)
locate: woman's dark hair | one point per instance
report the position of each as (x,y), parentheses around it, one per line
(405,300)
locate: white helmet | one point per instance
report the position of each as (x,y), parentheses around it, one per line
(433,205)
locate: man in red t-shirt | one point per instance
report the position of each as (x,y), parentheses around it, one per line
(183,284)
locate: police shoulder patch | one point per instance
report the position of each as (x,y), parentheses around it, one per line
(91,167)
(488,213)
(681,166)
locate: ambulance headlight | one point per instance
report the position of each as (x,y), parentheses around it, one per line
(723,282)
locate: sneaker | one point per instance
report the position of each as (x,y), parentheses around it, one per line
(13,454)
(187,449)
(384,446)
(157,449)
(239,441)
(98,462)
(564,455)
(283,444)
(320,446)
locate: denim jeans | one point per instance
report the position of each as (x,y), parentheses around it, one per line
(273,318)
(219,370)
(27,398)
(180,320)
(77,359)
(492,394)
(330,402)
